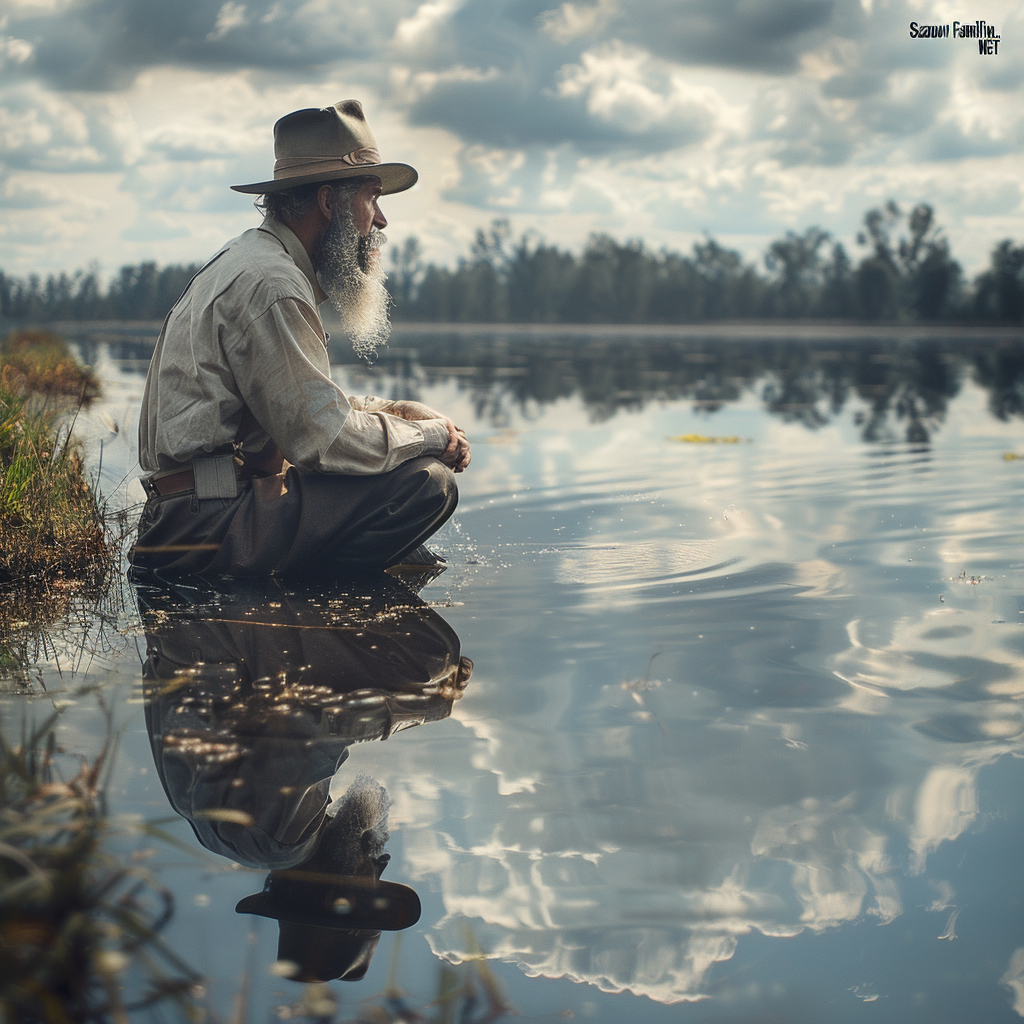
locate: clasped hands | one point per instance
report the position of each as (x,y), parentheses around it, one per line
(457,455)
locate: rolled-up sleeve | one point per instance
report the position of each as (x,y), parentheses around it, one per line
(281,368)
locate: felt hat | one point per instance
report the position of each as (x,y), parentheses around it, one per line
(327,144)
(344,902)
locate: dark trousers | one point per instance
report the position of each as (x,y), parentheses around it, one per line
(299,523)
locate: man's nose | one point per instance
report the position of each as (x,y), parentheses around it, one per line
(379,220)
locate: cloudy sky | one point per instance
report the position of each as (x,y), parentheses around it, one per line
(123,122)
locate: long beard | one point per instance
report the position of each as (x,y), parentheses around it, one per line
(354,282)
(356,828)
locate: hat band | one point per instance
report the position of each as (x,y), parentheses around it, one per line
(293,167)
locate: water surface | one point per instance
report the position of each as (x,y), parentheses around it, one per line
(744,728)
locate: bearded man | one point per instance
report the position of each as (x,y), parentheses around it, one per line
(256,462)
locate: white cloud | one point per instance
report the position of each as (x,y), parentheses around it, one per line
(230,16)
(573,21)
(623,86)
(421,27)
(14,51)
(42,131)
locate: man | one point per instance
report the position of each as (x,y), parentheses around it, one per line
(256,462)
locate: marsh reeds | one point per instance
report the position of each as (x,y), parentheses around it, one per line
(79,925)
(52,531)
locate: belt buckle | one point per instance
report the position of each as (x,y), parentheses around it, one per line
(215,477)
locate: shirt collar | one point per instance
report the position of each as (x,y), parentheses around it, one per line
(296,250)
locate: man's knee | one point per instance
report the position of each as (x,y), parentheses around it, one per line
(442,481)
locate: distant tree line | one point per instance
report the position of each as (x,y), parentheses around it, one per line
(137,293)
(906,273)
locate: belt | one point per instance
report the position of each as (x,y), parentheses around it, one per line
(173,483)
(185,480)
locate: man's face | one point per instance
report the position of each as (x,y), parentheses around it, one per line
(367,219)
(365,211)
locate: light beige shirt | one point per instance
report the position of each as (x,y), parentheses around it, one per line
(243,357)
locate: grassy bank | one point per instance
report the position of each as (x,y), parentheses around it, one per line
(51,525)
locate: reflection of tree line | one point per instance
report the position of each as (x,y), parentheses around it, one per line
(810,382)
(898,383)
(906,272)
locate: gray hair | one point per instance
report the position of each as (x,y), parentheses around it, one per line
(292,204)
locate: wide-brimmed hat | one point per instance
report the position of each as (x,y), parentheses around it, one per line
(329,925)
(344,902)
(326,144)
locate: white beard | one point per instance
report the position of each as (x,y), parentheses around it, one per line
(354,283)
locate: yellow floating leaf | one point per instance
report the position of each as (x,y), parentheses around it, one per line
(707,439)
(1010,456)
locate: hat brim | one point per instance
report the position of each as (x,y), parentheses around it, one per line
(383,906)
(393,177)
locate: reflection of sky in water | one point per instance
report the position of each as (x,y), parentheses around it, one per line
(819,745)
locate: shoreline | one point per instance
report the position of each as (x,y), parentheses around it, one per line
(144,332)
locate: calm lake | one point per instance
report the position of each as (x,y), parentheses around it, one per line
(744,734)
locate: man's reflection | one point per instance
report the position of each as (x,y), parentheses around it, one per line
(254,694)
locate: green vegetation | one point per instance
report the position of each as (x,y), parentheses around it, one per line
(906,274)
(51,526)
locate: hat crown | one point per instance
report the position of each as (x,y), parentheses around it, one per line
(323,132)
(322,144)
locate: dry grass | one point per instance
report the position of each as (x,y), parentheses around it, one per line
(76,921)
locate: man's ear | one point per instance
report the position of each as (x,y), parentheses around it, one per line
(325,200)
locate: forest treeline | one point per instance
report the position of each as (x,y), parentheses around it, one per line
(905,272)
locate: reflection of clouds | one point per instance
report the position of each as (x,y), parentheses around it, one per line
(1013,979)
(839,865)
(947,803)
(820,577)
(562,913)
(948,656)
(942,648)
(668,965)
(974,536)
(638,873)
(633,852)
(886,668)
(781,780)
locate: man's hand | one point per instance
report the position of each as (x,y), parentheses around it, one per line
(457,455)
